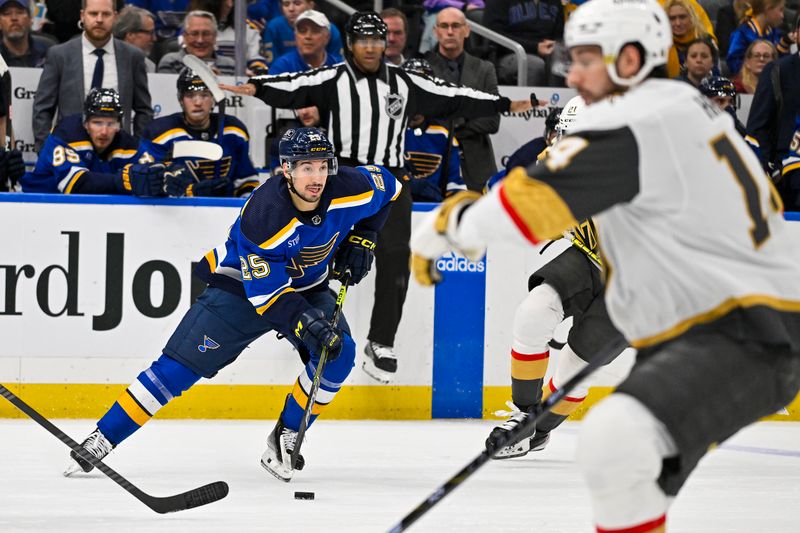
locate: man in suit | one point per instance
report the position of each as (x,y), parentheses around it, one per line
(451,63)
(93,60)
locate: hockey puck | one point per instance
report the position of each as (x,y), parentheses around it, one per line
(303,495)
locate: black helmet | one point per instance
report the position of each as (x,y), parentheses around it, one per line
(551,121)
(418,66)
(189,81)
(102,103)
(365,24)
(717,86)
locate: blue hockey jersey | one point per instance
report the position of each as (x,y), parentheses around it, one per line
(68,162)
(159,136)
(273,250)
(424,155)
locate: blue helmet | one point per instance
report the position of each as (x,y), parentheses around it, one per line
(306,144)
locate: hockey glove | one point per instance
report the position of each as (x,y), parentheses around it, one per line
(317,333)
(143,180)
(437,235)
(182,181)
(355,254)
(12,167)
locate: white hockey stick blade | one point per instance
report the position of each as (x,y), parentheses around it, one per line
(197,149)
(201,69)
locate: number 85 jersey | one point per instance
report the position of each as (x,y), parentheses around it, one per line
(691,230)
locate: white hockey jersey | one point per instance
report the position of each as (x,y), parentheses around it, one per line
(690,227)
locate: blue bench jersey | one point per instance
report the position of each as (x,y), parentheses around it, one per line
(159,136)
(424,153)
(274,250)
(68,162)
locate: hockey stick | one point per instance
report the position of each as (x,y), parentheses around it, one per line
(312,395)
(605,355)
(201,69)
(168,504)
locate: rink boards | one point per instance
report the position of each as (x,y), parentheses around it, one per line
(92,287)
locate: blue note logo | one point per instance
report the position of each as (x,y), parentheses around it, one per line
(208,344)
(455,263)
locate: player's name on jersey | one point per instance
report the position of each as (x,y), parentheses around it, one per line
(47,281)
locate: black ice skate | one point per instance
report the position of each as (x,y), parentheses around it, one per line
(277,458)
(528,441)
(380,363)
(96,444)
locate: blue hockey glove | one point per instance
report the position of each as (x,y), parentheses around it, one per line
(317,333)
(355,254)
(143,180)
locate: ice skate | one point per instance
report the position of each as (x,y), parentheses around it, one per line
(96,444)
(277,458)
(380,363)
(528,441)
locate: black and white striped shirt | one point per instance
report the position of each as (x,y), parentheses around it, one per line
(367,114)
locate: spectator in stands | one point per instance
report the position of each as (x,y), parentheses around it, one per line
(199,39)
(18,47)
(536,25)
(432,8)
(428,143)
(451,63)
(397,36)
(686,27)
(771,123)
(226,34)
(169,15)
(136,26)
(232,175)
(701,60)
(89,153)
(759,54)
(312,32)
(94,60)
(262,11)
(278,37)
(764,24)
(729,17)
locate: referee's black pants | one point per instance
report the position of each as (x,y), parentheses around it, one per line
(392,255)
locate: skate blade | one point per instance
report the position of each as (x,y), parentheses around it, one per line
(376,373)
(73,468)
(511,454)
(275,473)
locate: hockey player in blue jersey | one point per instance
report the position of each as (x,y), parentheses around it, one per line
(233,175)
(91,154)
(435,169)
(271,274)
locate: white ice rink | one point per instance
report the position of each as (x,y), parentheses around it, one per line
(366,476)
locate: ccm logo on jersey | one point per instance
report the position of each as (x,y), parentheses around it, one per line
(454,263)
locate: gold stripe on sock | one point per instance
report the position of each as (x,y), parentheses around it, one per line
(133,409)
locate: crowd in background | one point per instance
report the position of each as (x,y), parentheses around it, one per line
(735,39)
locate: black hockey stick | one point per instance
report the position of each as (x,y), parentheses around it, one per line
(604,356)
(168,504)
(312,395)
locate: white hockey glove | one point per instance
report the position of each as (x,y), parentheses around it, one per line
(438,235)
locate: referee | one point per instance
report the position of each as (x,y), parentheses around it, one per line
(367,103)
